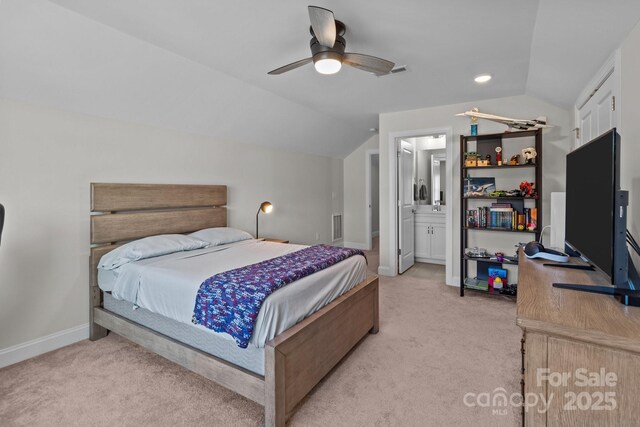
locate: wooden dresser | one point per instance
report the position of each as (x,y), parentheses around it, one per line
(580,351)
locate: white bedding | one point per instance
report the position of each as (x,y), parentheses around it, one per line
(167,285)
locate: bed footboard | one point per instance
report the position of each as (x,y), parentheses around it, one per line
(297,359)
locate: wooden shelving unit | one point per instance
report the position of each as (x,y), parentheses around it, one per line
(485,144)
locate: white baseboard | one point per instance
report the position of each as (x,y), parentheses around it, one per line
(33,348)
(353,245)
(431,261)
(385,271)
(375,234)
(455,281)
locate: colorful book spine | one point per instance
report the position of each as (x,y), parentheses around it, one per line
(471,219)
(502,216)
(534,218)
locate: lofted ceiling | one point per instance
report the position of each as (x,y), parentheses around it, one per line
(201,66)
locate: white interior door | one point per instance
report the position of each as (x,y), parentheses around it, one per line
(597,115)
(406,207)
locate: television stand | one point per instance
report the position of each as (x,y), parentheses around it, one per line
(566,331)
(571,266)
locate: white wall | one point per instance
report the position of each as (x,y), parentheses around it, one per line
(76,63)
(630,129)
(355,229)
(557,142)
(47,160)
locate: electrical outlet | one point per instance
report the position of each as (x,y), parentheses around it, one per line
(317,236)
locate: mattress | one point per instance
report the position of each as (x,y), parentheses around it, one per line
(167,285)
(250,358)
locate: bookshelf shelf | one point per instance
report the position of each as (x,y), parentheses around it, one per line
(504,135)
(490,292)
(506,261)
(504,210)
(499,167)
(507,230)
(498,198)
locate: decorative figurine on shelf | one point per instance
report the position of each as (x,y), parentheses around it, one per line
(474,123)
(521,219)
(471,159)
(486,161)
(515,160)
(499,156)
(529,155)
(528,189)
(497,277)
(499,256)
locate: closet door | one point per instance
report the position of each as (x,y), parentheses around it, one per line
(597,115)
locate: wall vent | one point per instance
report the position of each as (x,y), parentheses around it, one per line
(336,226)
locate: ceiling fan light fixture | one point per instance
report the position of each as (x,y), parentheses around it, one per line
(482,78)
(327,62)
(328,49)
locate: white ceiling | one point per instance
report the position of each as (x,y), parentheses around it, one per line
(200,66)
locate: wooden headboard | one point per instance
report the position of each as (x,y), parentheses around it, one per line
(125,212)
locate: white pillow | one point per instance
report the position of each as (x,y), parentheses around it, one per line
(149,247)
(221,235)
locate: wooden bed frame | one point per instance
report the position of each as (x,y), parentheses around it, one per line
(295,361)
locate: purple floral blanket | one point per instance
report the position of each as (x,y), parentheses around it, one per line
(230,301)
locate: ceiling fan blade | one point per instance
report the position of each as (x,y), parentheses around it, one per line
(290,67)
(323,24)
(371,64)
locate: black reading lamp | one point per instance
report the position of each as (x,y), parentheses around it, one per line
(265,207)
(1,220)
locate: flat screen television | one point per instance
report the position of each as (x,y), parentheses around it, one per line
(596,214)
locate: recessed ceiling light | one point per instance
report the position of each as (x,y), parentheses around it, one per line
(483,78)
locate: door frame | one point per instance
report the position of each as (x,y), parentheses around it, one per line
(367,173)
(392,244)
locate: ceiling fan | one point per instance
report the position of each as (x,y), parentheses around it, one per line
(328,48)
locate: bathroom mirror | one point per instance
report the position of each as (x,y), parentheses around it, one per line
(430,170)
(438,177)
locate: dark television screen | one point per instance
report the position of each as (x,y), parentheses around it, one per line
(591,189)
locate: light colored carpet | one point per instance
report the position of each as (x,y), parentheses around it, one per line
(432,348)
